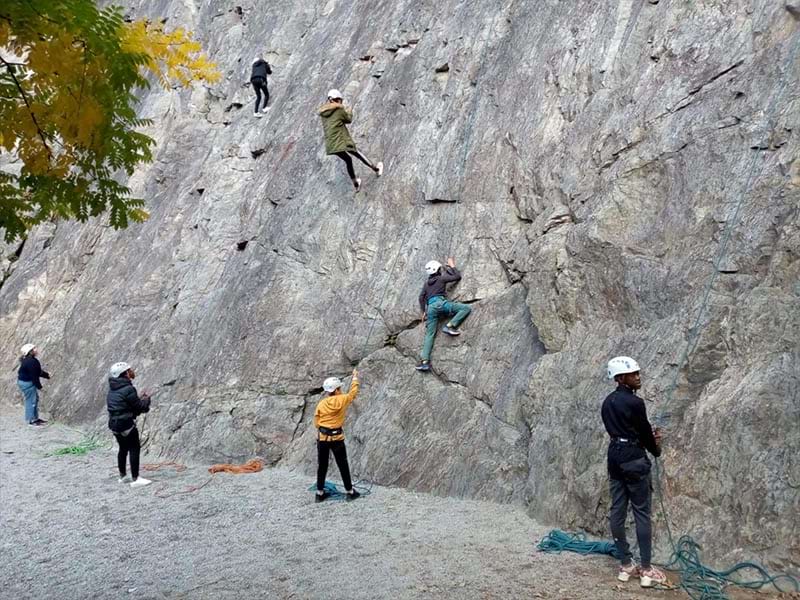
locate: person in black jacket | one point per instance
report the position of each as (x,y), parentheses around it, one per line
(434,304)
(625,418)
(29,382)
(258,77)
(124,405)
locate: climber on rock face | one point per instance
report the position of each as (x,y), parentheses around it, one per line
(434,304)
(625,419)
(124,405)
(329,421)
(258,77)
(335,116)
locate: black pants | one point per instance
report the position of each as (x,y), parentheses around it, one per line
(128,444)
(629,482)
(345,156)
(260,85)
(340,454)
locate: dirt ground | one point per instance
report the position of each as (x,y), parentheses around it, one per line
(71,531)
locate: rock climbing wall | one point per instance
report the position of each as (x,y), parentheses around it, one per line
(584,162)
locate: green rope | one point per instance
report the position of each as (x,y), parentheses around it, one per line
(83,447)
(558,541)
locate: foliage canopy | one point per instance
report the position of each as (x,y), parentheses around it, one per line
(68,126)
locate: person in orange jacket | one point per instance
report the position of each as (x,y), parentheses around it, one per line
(329,421)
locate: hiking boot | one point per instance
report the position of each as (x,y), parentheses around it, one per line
(423,366)
(140,482)
(357,183)
(124,479)
(450,330)
(379,170)
(321,497)
(36,423)
(652,577)
(625,573)
(257,114)
(352,495)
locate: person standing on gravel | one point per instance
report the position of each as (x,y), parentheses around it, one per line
(124,405)
(29,382)
(335,116)
(434,304)
(329,421)
(625,418)
(258,79)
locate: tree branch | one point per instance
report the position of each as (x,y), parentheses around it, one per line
(28,104)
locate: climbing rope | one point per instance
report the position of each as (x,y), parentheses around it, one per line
(697,580)
(558,541)
(85,446)
(362,486)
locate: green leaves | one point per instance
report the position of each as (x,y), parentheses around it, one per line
(68,77)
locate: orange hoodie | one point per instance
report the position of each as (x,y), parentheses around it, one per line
(330,412)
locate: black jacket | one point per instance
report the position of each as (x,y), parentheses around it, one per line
(625,416)
(124,404)
(30,369)
(436,285)
(261,69)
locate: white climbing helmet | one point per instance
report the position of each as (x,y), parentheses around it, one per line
(118,369)
(331,384)
(335,94)
(26,349)
(619,365)
(432,267)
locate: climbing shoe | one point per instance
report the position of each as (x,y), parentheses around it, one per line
(450,331)
(379,170)
(321,497)
(652,577)
(140,482)
(352,495)
(625,573)
(423,366)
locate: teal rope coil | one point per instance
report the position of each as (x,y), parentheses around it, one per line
(558,541)
(362,486)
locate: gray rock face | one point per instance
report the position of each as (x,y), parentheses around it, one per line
(584,162)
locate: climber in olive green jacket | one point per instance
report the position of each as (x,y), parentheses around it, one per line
(335,117)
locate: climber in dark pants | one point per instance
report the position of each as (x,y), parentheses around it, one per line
(124,405)
(329,422)
(625,419)
(335,117)
(434,304)
(258,77)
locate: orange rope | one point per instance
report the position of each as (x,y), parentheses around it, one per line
(251,466)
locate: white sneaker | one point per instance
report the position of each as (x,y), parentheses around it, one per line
(652,577)
(379,172)
(257,114)
(141,482)
(358,183)
(126,479)
(265,109)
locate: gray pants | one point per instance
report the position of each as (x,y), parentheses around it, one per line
(636,492)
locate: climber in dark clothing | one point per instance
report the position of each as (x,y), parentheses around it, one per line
(258,77)
(124,405)
(625,419)
(434,304)
(335,117)
(29,382)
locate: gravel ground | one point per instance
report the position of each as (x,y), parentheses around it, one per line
(70,531)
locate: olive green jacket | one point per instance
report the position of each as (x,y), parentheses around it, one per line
(334,119)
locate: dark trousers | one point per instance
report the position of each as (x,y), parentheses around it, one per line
(128,445)
(345,156)
(340,454)
(630,485)
(260,85)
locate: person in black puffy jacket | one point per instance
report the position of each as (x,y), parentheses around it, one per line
(124,405)
(258,77)
(29,382)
